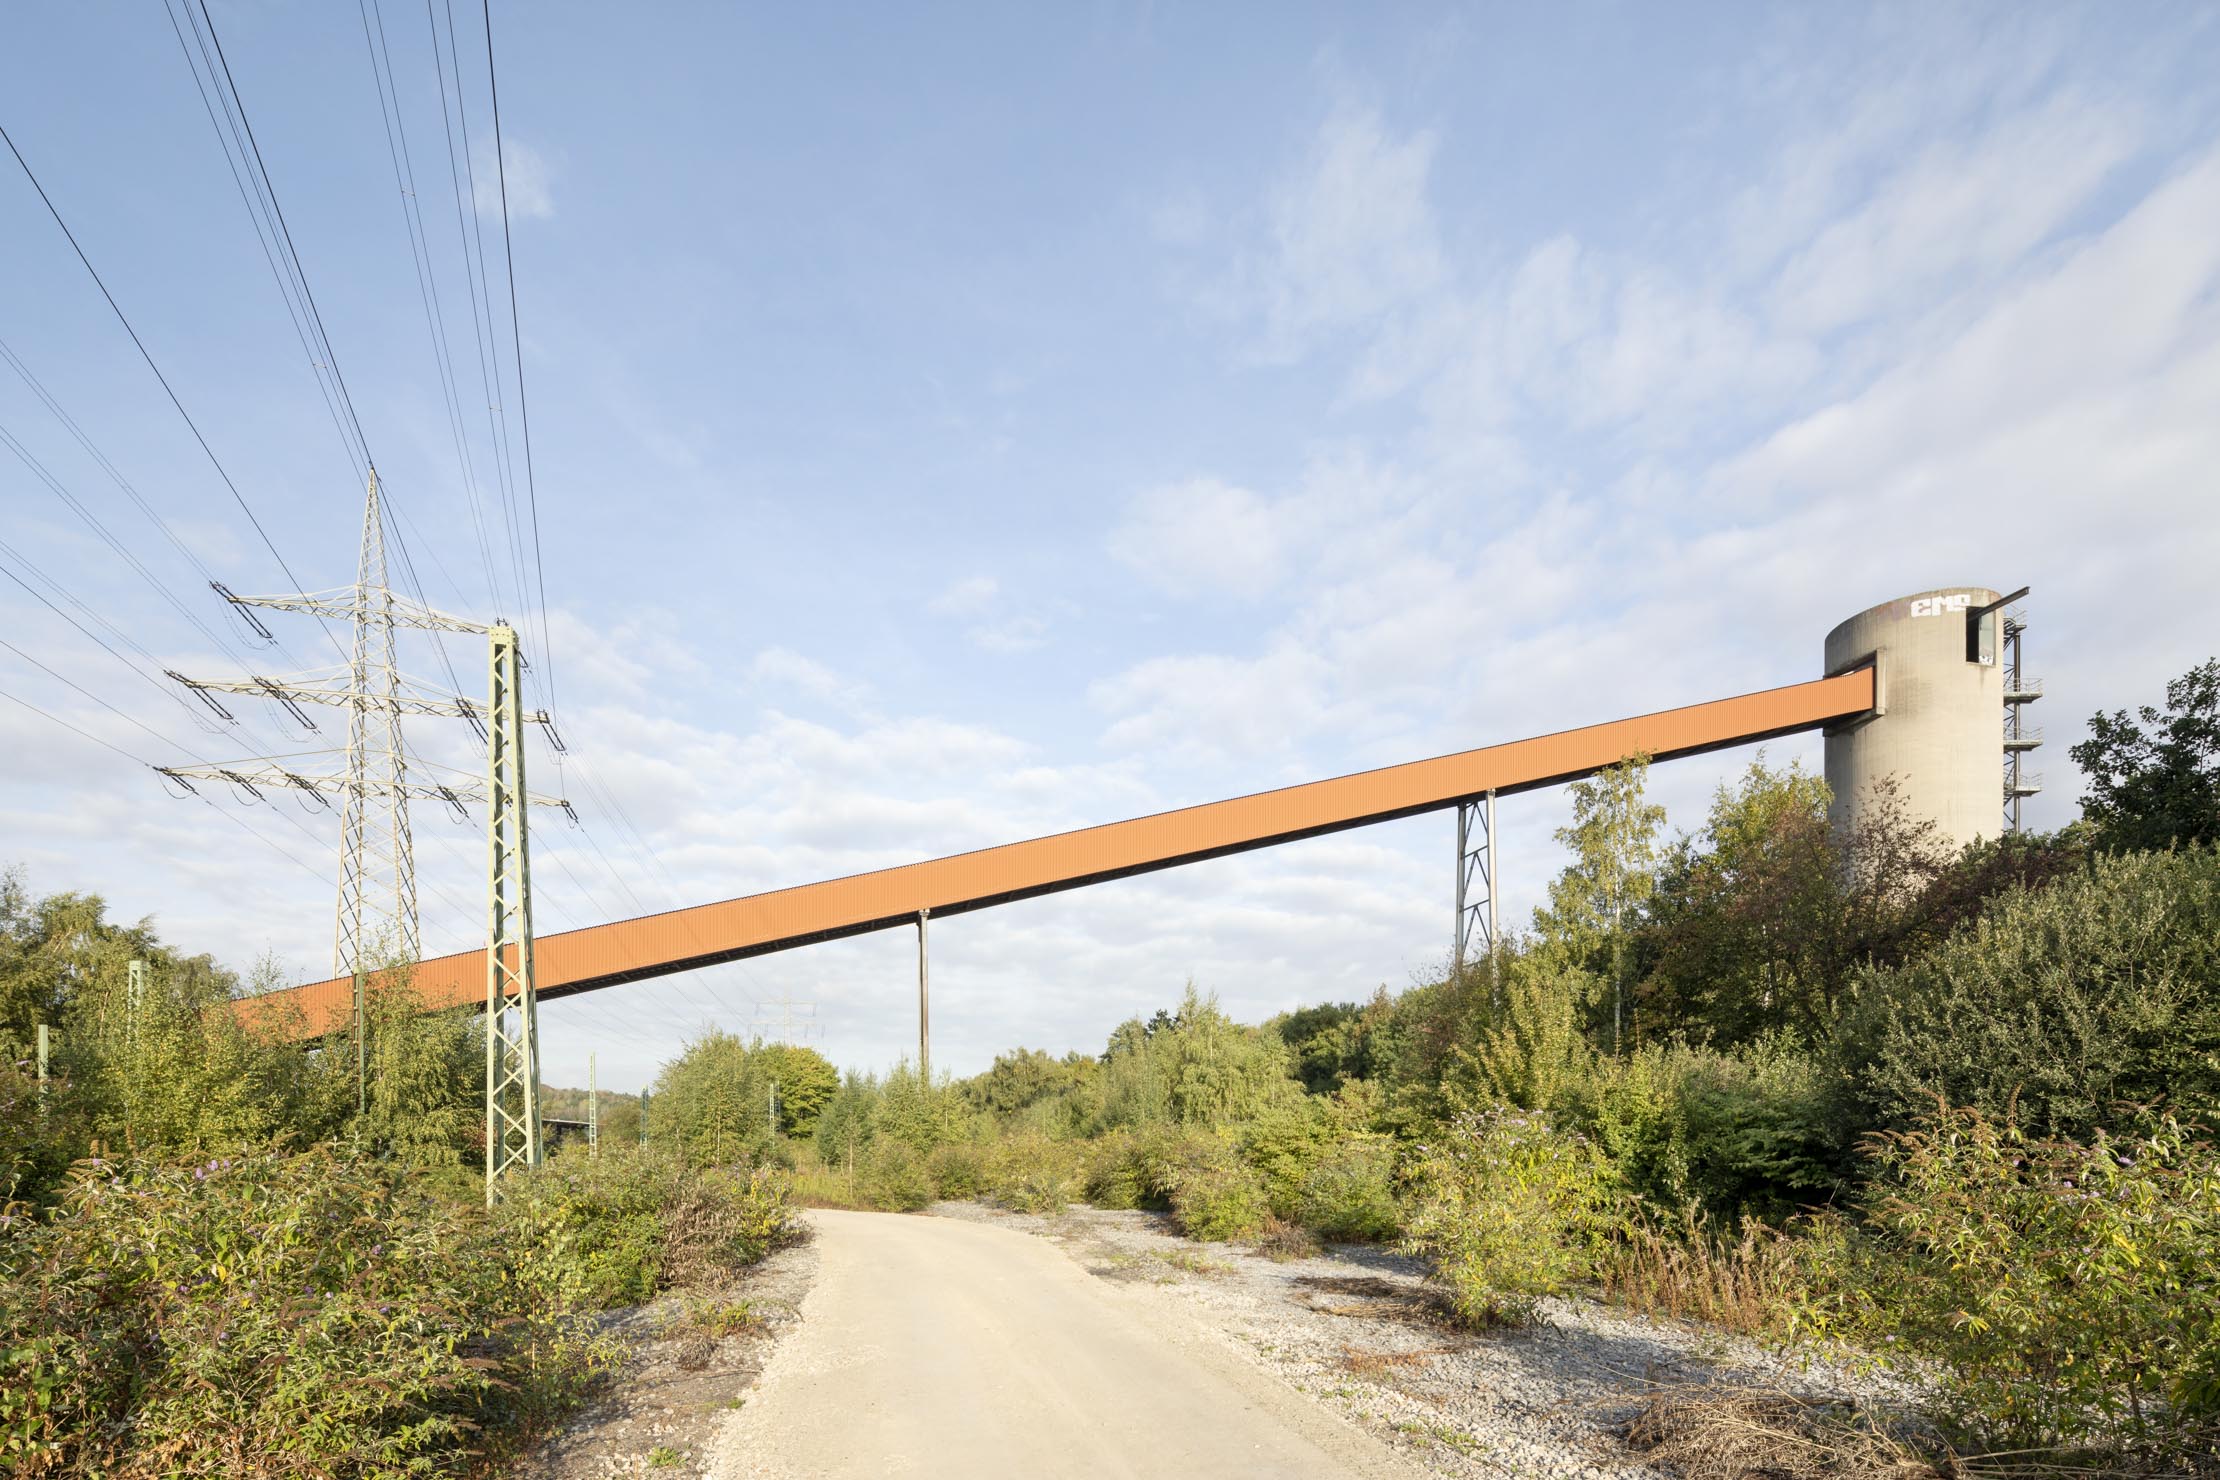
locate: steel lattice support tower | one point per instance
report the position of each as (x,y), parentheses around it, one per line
(1476,915)
(377,862)
(512,1007)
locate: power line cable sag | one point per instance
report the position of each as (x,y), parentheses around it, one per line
(144,354)
(516,335)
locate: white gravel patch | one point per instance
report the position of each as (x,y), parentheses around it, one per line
(1362,1331)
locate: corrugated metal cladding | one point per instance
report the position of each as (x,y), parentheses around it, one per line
(653,945)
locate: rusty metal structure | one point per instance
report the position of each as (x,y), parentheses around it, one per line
(730,930)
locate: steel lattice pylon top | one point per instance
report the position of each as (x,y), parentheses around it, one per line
(376,913)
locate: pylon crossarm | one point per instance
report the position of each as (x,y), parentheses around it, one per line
(458,790)
(408,697)
(345,603)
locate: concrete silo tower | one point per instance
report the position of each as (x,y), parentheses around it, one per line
(1940,703)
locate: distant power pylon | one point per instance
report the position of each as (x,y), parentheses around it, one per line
(785,1020)
(377,914)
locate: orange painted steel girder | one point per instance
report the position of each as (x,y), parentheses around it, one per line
(706,935)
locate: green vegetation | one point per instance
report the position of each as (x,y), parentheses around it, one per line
(1808,1087)
(215,1260)
(1850,1091)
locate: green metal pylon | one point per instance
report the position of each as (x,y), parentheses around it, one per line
(512,1052)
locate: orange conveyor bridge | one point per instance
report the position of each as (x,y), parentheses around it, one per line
(707,935)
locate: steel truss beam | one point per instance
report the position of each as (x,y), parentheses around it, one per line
(1476,865)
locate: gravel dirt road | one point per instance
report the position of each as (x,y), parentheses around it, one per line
(929,1346)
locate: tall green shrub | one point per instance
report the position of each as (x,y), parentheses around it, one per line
(2058,1005)
(2069,1288)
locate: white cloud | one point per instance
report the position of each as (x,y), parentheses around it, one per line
(1019,634)
(1352,232)
(969,597)
(1201,537)
(524,172)
(1957,206)
(784,668)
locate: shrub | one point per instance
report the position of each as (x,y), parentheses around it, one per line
(2058,1004)
(1351,1194)
(2069,1288)
(1283,1145)
(892,1177)
(1510,1211)
(594,1227)
(1215,1203)
(613,1230)
(1141,1169)
(958,1171)
(1032,1174)
(275,1315)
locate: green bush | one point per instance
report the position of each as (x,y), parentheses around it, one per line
(1350,1194)
(893,1178)
(1749,1133)
(594,1226)
(1283,1145)
(1218,1202)
(2059,1004)
(958,1172)
(275,1315)
(1033,1174)
(2069,1288)
(1510,1211)
(1141,1169)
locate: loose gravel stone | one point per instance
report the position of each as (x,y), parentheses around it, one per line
(658,1414)
(1362,1330)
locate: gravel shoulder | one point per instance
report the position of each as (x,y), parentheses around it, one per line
(659,1414)
(1360,1331)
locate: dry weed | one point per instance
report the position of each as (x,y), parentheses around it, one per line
(1712,1433)
(1280,1241)
(1747,1284)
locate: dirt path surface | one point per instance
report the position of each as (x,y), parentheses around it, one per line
(931,1346)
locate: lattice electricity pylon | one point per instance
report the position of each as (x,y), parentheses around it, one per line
(785,1019)
(512,1053)
(1475,865)
(376,913)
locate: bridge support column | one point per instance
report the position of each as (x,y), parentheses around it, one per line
(1476,885)
(924,1003)
(512,1054)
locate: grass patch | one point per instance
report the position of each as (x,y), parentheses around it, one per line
(721,1318)
(1191,1261)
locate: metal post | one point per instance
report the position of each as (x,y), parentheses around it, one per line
(362,1050)
(513,1131)
(1457,920)
(1494,987)
(643,1116)
(43,1054)
(924,1005)
(593,1107)
(774,1107)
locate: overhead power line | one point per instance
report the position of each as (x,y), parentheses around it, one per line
(125,320)
(516,335)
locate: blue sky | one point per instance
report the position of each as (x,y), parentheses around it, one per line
(954,427)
